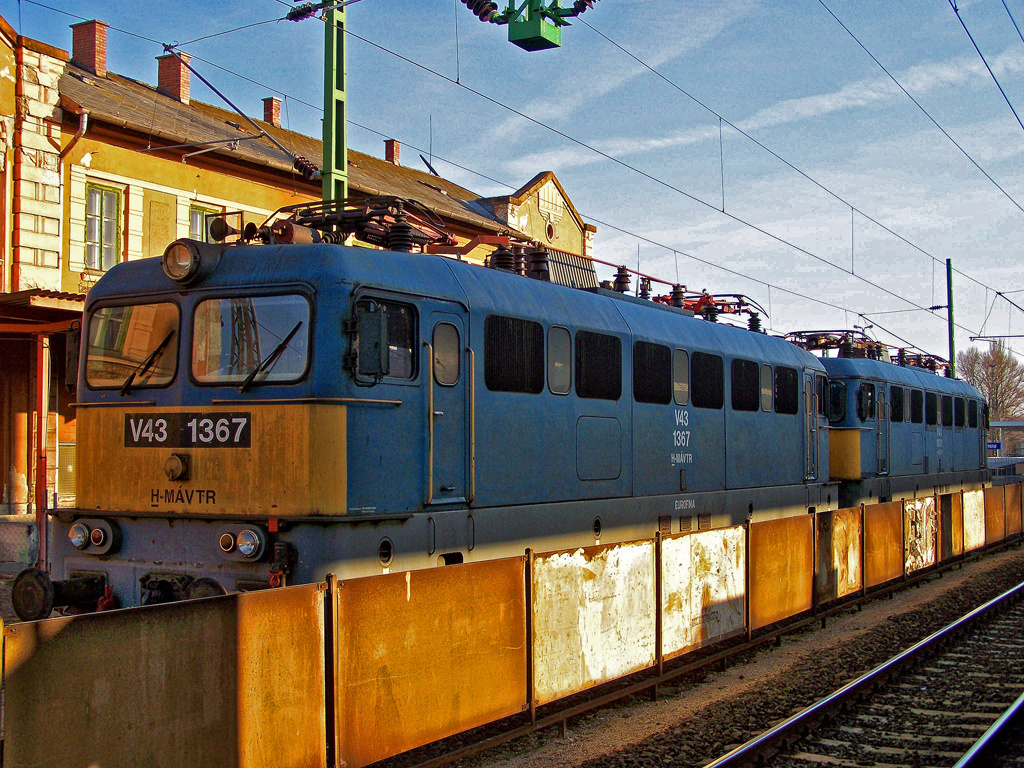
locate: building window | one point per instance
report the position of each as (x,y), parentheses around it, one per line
(197,229)
(652,373)
(102,227)
(513,355)
(598,366)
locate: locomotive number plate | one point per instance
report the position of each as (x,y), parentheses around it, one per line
(187,430)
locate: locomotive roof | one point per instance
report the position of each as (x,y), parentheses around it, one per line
(477,288)
(910,376)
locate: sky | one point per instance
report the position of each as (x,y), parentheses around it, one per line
(837,188)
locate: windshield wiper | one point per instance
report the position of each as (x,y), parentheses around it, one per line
(144,366)
(270,360)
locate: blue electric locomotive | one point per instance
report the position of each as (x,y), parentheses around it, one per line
(260,413)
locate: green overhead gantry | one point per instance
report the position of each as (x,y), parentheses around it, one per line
(534,25)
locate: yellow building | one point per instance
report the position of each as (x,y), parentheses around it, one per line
(98,168)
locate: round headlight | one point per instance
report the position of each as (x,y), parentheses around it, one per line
(249,543)
(79,535)
(180,262)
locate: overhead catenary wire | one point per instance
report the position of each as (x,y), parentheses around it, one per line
(674,85)
(628,166)
(995,79)
(792,166)
(915,306)
(1013,21)
(924,111)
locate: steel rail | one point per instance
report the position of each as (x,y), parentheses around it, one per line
(981,753)
(648,682)
(772,741)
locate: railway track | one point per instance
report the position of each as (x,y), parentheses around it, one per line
(936,704)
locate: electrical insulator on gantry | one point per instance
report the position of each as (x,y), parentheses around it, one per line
(535,24)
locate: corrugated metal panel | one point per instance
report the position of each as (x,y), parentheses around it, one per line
(703,588)
(995,515)
(838,570)
(571,270)
(974,520)
(426,654)
(593,617)
(226,682)
(920,533)
(883,543)
(781,569)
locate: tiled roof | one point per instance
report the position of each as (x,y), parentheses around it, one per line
(126,103)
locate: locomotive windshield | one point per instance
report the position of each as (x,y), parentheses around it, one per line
(250,340)
(132,346)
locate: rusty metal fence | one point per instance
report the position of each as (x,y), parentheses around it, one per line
(349,673)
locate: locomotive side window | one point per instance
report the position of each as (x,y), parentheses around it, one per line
(947,410)
(896,404)
(745,385)
(513,355)
(916,406)
(767,390)
(866,402)
(787,390)
(680,377)
(836,401)
(250,339)
(447,353)
(708,380)
(822,391)
(598,366)
(958,412)
(652,373)
(559,360)
(972,414)
(132,346)
(931,408)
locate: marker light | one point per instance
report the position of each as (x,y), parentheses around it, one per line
(227,542)
(79,536)
(249,543)
(97,536)
(181,263)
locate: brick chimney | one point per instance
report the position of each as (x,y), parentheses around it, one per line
(89,46)
(272,111)
(392,149)
(173,78)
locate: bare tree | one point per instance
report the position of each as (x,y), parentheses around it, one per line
(998,376)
